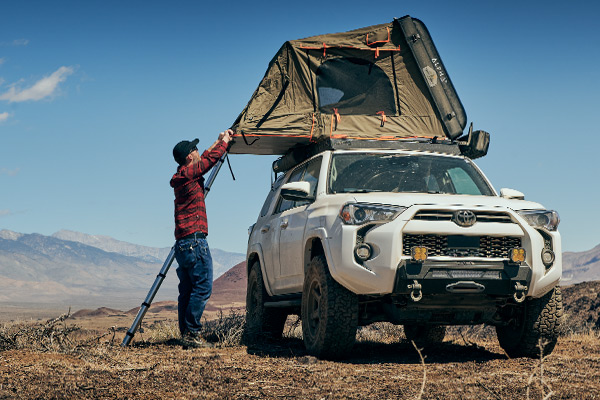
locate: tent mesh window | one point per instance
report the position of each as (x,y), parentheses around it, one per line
(354,86)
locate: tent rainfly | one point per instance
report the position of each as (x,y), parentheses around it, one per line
(384,82)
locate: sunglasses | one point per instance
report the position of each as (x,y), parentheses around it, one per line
(193,149)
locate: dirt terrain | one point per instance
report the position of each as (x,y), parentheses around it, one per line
(81,357)
(376,370)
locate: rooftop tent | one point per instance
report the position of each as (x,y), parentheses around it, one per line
(383,82)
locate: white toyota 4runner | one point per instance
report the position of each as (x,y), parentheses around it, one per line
(422,239)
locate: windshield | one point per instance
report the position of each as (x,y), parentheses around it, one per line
(381,172)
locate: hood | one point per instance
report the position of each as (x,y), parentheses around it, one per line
(445,200)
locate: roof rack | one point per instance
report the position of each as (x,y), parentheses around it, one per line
(473,145)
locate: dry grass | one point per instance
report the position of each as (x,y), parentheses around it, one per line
(56,359)
(225,330)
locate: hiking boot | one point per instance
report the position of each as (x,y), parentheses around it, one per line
(193,340)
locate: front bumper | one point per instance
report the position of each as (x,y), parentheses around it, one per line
(492,278)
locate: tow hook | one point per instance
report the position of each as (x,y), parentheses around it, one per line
(415,291)
(520,291)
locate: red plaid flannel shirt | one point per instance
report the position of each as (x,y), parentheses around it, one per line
(188,184)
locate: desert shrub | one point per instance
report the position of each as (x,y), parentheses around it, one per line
(162,331)
(54,335)
(572,324)
(225,330)
(384,332)
(293,327)
(472,333)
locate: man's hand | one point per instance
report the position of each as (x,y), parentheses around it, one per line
(226,136)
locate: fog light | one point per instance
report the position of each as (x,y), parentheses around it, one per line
(547,257)
(418,253)
(517,255)
(363,251)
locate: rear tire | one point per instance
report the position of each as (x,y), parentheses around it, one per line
(261,322)
(329,313)
(425,335)
(538,320)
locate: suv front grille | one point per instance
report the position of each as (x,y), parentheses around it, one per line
(475,246)
(447,215)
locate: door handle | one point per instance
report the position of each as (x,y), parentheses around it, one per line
(265,229)
(284,224)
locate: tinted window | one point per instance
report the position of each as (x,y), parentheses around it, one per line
(380,172)
(267,204)
(308,173)
(354,86)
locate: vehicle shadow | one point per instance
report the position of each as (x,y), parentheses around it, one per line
(366,352)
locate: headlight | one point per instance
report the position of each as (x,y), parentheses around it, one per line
(541,219)
(358,214)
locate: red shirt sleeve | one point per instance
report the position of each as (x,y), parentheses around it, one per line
(207,160)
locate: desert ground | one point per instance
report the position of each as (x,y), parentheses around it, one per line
(81,357)
(52,356)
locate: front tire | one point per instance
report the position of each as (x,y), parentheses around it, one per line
(261,322)
(329,313)
(537,322)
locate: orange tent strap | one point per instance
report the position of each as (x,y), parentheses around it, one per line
(346,47)
(275,135)
(383,118)
(337,115)
(382,138)
(379,41)
(331,127)
(312,128)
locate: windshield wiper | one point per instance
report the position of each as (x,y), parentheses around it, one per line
(361,190)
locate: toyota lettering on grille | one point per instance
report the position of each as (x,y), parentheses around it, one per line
(465,218)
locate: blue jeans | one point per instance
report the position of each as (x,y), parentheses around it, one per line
(195,274)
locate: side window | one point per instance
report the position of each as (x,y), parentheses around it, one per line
(312,177)
(265,208)
(287,204)
(307,173)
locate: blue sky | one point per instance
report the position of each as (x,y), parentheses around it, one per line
(95,94)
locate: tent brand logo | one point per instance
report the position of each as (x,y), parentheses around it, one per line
(430,76)
(437,65)
(465,218)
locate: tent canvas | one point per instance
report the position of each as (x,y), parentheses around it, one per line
(383,82)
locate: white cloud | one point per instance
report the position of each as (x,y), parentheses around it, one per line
(16,42)
(2,62)
(41,89)
(4,116)
(9,172)
(4,213)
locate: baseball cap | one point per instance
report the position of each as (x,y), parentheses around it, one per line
(182,149)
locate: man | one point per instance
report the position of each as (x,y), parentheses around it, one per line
(195,269)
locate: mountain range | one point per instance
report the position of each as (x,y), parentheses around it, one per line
(76,269)
(581,266)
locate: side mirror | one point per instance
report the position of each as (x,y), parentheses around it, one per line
(295,191)
(511,194)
